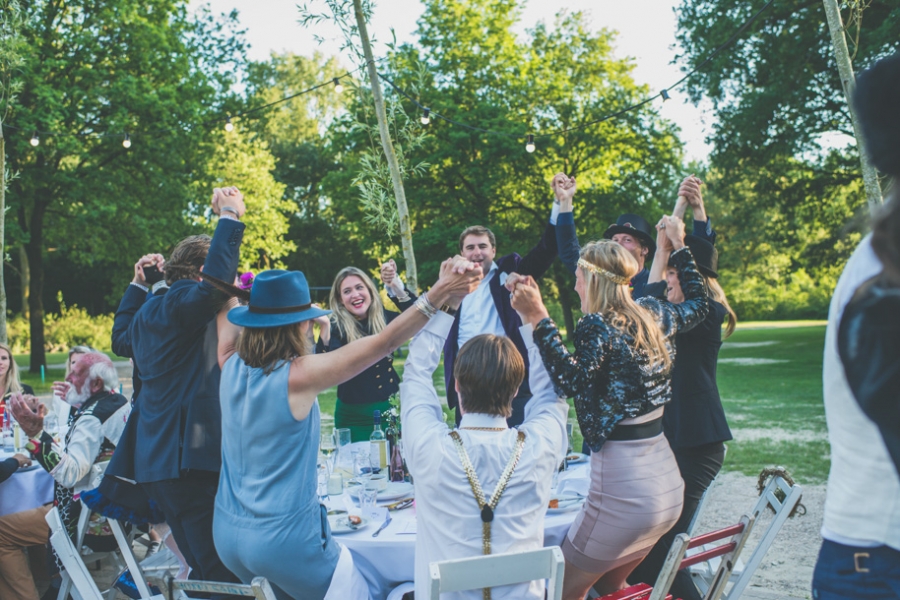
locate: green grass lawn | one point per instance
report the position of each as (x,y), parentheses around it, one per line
(770,380)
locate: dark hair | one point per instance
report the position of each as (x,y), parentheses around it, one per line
(187,258)
(489,371)
(477,230)
(875,100)
(886,234)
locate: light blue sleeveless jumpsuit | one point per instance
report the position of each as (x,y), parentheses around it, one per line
(268,520)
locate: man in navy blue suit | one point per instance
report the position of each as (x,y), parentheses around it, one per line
(173,339)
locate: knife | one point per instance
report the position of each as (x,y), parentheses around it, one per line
(387,522)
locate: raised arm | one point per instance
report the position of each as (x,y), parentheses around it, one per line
(132,301)
(545,403)
(313,373)
(228,333)
(397,291)
(564,188)
(421,412)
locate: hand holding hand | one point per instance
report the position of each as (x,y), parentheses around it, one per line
(663,243)
(231,198)
(526,299)
(389,277)
(690,191)
(147,260)
(563,187)
(24,461)
(29,412)
(458,278)
(674,231)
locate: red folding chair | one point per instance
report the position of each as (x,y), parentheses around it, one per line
(728,550)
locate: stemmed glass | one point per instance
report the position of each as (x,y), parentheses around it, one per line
(327,446)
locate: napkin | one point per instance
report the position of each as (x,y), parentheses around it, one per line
(573,483)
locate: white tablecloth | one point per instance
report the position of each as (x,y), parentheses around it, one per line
(389,559)
(25,489)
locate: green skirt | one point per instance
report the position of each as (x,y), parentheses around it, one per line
(358,418)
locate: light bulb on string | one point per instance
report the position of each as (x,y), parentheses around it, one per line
(337,85)
(664,94)
(229,126)
(35,140)
(126,143)
(426,118)
(529,145)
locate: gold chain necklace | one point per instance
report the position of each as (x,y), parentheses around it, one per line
(487,507)
(486,428)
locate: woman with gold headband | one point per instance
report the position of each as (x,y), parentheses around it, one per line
(619,376)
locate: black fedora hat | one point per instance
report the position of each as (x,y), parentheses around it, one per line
(705,254)
(277,298)
(634,226)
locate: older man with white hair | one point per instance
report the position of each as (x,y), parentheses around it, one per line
(76,464)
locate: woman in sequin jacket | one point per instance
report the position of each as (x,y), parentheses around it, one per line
(619,376)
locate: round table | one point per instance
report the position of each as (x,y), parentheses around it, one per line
(25,489)
(389,559)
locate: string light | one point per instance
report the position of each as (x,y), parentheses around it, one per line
(127,141)
(664,94)
(529,145)
(426,118)
(337,85)
(229,126)
(35,140)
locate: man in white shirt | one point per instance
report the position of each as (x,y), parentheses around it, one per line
(451,521)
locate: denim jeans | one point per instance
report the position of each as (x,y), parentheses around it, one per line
(853,573)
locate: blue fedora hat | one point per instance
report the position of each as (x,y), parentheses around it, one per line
(277,298)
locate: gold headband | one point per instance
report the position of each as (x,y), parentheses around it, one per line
(589,266)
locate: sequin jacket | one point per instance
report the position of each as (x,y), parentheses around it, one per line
(608,380)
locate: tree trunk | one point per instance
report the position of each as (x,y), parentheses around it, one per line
(34,249)
(25,278)
(565,300)
(399,193)
(848,81)
(3,338)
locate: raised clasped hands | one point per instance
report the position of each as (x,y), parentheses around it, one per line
(231,198)
(563,188)
(147,260)
(525,298)
(690,191)
(29,412)
(458,278)
(389,277)
(674,229)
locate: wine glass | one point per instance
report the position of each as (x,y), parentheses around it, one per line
(327,446)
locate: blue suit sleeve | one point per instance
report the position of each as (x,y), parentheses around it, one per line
(703,229)
(7,468)
(567,240)
(539,258)
(131,302)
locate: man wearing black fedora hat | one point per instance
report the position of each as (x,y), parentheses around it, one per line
(631,231)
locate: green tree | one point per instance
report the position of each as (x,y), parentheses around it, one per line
(95,71)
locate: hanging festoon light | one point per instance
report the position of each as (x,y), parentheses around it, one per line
(426,116)
(126,143)
(229,126)
(35,140)
(664,94)
(337,85)
(529,145)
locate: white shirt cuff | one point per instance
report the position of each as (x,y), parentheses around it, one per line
(439,324)
(554,213)
(143,287)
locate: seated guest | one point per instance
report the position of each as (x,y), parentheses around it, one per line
(357,311)
(487,309)
(13,464)
(268,521)
(77,465)
(631,231)
(619,375)
(448,465)
(9,375)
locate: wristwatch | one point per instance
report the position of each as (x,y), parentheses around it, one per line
(449,310)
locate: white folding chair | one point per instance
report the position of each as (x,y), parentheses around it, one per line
(75,569)
(259,588)
(86,554)
(499,569)
(704,574)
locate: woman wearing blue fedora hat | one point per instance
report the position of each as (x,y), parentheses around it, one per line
(268,521)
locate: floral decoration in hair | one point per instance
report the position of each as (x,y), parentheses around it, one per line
(589,266)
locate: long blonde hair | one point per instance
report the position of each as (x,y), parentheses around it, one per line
(718,294)
(614,301)
(12,383)
(346,322)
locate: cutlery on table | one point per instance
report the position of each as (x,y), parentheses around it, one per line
(387,522)
(400,505)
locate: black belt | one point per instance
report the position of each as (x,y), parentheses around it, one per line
(641,431)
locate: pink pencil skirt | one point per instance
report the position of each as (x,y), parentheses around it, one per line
(635,497)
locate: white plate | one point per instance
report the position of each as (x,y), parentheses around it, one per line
(339,524)
(394,491)
(576,457)
(568,505)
